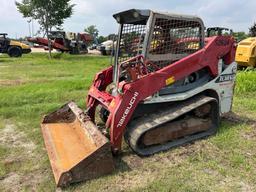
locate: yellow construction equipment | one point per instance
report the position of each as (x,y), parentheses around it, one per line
(246,52)
(12,48)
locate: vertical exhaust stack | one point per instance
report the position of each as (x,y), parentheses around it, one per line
(77,150)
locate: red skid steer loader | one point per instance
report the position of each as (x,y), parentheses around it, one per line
(168,86)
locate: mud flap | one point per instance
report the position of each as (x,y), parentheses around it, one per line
(77,150)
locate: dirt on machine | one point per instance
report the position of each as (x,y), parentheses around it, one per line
(168,86)
(77,149)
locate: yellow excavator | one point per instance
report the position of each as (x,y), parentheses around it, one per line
(12,48)
(246,52)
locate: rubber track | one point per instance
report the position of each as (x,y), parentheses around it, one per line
(138,127)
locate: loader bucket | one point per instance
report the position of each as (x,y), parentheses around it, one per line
(76,148)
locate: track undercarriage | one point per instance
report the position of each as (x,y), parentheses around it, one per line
(173,125)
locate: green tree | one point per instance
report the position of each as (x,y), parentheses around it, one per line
(48,13)
(92,30)
(239,36)
(252,30)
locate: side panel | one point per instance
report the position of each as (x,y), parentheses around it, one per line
(223,85)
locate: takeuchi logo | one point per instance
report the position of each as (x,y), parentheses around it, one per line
(128,109)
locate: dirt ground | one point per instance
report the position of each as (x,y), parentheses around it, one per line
(20,150)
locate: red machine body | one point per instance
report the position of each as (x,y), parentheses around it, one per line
(43,41)
(64,42)
(121,107)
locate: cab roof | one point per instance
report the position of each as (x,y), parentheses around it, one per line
(140,16)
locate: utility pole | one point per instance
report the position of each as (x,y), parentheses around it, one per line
(29,29)
(32,23)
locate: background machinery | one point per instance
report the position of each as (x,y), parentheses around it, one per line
(106,47)
(74,43)
(11,47)
(213,31)
(169,91)
(246,52)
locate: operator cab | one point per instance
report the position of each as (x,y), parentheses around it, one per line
(148,41)
(154,33)
(3,35)
(4,41)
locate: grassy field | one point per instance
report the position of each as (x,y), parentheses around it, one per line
(33,85)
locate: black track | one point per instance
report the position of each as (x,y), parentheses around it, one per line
(138,127)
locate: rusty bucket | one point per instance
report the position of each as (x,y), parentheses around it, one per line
(77,150)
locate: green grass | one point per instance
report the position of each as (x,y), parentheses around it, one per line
(32,86)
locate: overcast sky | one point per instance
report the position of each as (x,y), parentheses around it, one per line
(235,14)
